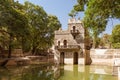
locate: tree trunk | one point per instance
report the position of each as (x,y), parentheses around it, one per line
(33,50)
(22,45)
(87,47)
(9,52)
(94,43)
(94,39)
(10,47)
(88,59)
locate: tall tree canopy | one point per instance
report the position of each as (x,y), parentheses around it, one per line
(26,26)
(115,38)
(42,27)
(38,23)
(13,20)
(97,13)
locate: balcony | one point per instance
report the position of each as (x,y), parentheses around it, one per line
(74,32)
(68,47)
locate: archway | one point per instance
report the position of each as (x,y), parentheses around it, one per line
(62,55)
(75,59)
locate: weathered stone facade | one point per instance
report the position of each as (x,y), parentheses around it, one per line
(69,44)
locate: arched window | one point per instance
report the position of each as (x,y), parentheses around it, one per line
(74,28)
(75,61)
(58,43)
(65,43)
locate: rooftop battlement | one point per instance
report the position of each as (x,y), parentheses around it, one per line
(74,20)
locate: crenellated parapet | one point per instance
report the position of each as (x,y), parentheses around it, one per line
(74,20)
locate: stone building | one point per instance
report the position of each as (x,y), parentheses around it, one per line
(69,44)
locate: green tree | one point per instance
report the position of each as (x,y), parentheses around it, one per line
(42,27)
(115,38)
(97,14)
(105,41)
(14,20)
(73,13)
(38,25)
(53,25)
(4,38)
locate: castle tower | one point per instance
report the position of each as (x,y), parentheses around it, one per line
(77,30)
(69,44)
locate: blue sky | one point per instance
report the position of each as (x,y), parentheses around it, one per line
(61,8)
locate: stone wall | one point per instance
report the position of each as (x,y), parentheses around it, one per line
(15,53)
(105,53)
(72,39)
(105,56)
(62,37)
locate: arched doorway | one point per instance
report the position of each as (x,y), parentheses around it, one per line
(62,55)
(75,61)
(58,43)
